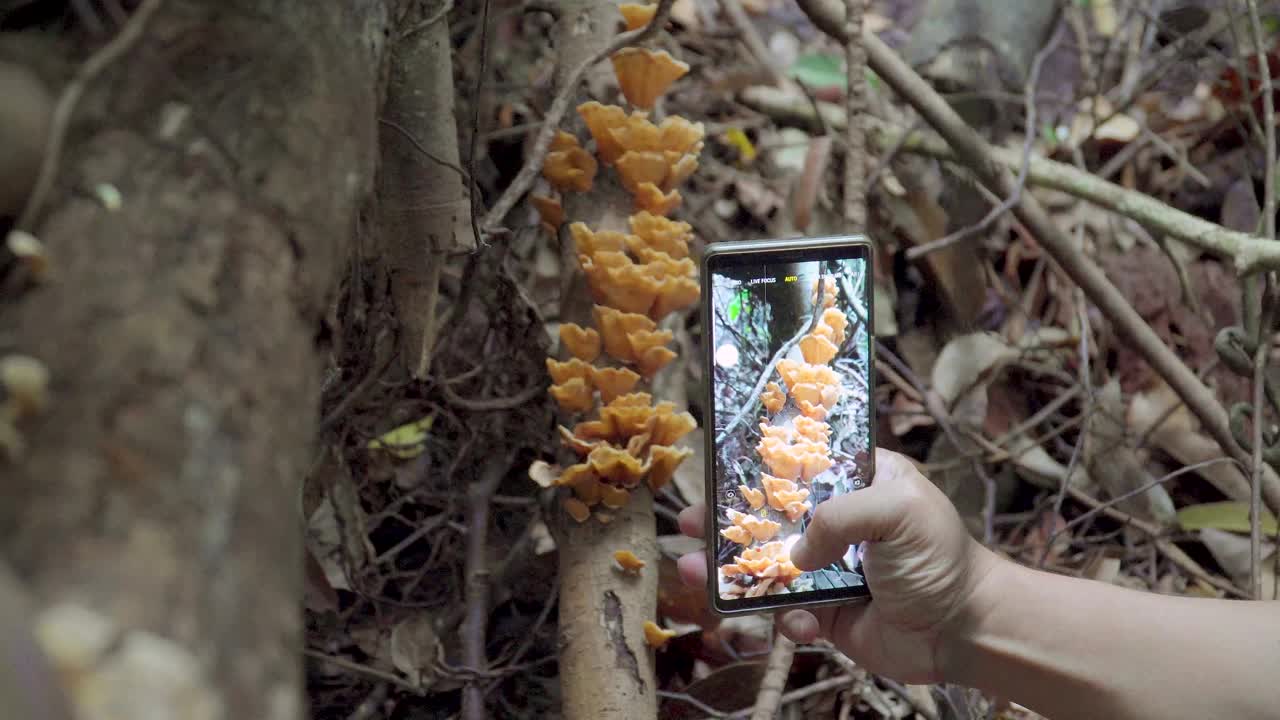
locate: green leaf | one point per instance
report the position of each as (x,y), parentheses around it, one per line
(819,70)
(1229,515)
(735,307)
(407,441)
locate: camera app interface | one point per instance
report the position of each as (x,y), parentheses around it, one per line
(790,346)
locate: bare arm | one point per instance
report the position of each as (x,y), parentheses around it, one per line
(946,609)
(1071,648)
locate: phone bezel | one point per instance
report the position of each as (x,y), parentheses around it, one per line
(775,251)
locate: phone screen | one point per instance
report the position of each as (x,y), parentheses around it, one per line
(790,351)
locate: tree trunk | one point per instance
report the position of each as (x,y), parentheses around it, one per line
(426,210)
(155,518)
(606,669)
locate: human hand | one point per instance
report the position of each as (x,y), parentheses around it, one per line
(923,568)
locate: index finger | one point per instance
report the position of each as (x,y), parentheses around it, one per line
(864,515)
(693,520)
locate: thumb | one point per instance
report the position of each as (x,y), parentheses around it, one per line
(864,515)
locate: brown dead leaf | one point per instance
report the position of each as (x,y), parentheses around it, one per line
(1115,465)
(732,687)
(690,479)
(964,369)
(413,647)
(1232,553)
(1179,436)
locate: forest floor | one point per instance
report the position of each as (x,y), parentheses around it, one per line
(1058,442)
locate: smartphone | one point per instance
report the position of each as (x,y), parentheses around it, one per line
(789,371)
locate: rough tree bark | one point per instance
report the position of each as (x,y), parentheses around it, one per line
(152,520)
(606,669)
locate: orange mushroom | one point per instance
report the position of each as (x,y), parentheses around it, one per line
(550,211)
(794,371)
(576,509)
(779,458)
(637,16)
(655,636)
(619,283)
(812,430)
(669,426)
(628,561)
(755,498)
(817,350)
(662,464)
(562,372)
(587,242)
(582,445)
(588,488)
(612,382)
(773,398)
(644,75)
(568,166)
(828,291)
(837,321)
(616,465)
(760,529)
(737,534)
(786,496)
(650,198)
(600,120)
(636,167)
(582,343)
(675,293)
(665,170)
(770,561)
(573,474)
(660,233)
(675,137)
(573,396)
(613,497)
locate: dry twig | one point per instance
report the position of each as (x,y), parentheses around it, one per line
(1260,360)
(971,149)
(775,679)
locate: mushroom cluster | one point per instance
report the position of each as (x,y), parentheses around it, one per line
(636,278)
(795,448)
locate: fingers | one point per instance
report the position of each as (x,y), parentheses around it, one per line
(866,515)
(693,569)
(800,626)
(693,520)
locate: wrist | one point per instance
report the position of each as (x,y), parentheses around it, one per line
(991,580)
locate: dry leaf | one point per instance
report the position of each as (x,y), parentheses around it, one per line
(414,643)
(1232,553)
(1115,465)
(964,369)
(1179,436)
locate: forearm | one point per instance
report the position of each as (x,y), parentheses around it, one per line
(1071,648)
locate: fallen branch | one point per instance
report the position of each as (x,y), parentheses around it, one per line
(551,123)
(1267,301)
(479,493)
(1248,253)
(973,151)
(775,678)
